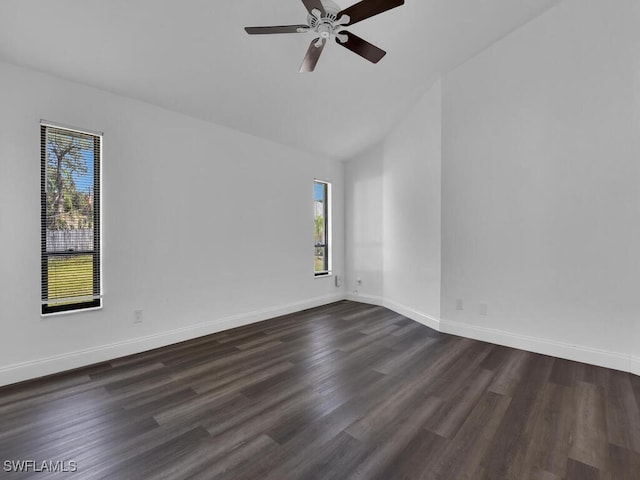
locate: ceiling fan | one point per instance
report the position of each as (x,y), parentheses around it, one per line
(328,21)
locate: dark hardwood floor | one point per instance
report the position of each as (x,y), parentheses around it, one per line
(338,392)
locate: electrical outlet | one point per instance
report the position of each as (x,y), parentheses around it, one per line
(137,316)
(338,281)
(484,309)
(459,304)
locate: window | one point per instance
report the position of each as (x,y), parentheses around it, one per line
(70,219)
(322,230)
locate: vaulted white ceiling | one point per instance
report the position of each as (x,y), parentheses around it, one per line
(193,57)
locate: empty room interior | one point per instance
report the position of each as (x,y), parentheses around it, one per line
(299,239)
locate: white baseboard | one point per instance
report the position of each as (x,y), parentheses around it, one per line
(408,312)
(368,299)
(60,363)
(601,358)
(635,365)
(576,353)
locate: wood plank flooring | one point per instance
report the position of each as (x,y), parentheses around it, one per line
(344,391)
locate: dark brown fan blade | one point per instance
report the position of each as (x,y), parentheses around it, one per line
(368,8)
(362,47)
(311,4)
(311,58)
(275,29)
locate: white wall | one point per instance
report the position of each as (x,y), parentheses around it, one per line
(634,17)
(204,227)
(411,211)
(393,216)
(363,226)
(541,176)
(540,199)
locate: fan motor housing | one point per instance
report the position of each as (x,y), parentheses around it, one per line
(331,16)
(330,6)
(328,25)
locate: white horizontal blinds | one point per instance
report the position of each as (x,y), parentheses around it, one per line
(70,241)
(321,242)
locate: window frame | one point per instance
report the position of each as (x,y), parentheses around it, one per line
(327,229)
(94,301)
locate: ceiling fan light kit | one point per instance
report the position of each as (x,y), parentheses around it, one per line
(326,20)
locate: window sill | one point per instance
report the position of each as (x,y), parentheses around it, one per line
(70,312)
(323,275)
